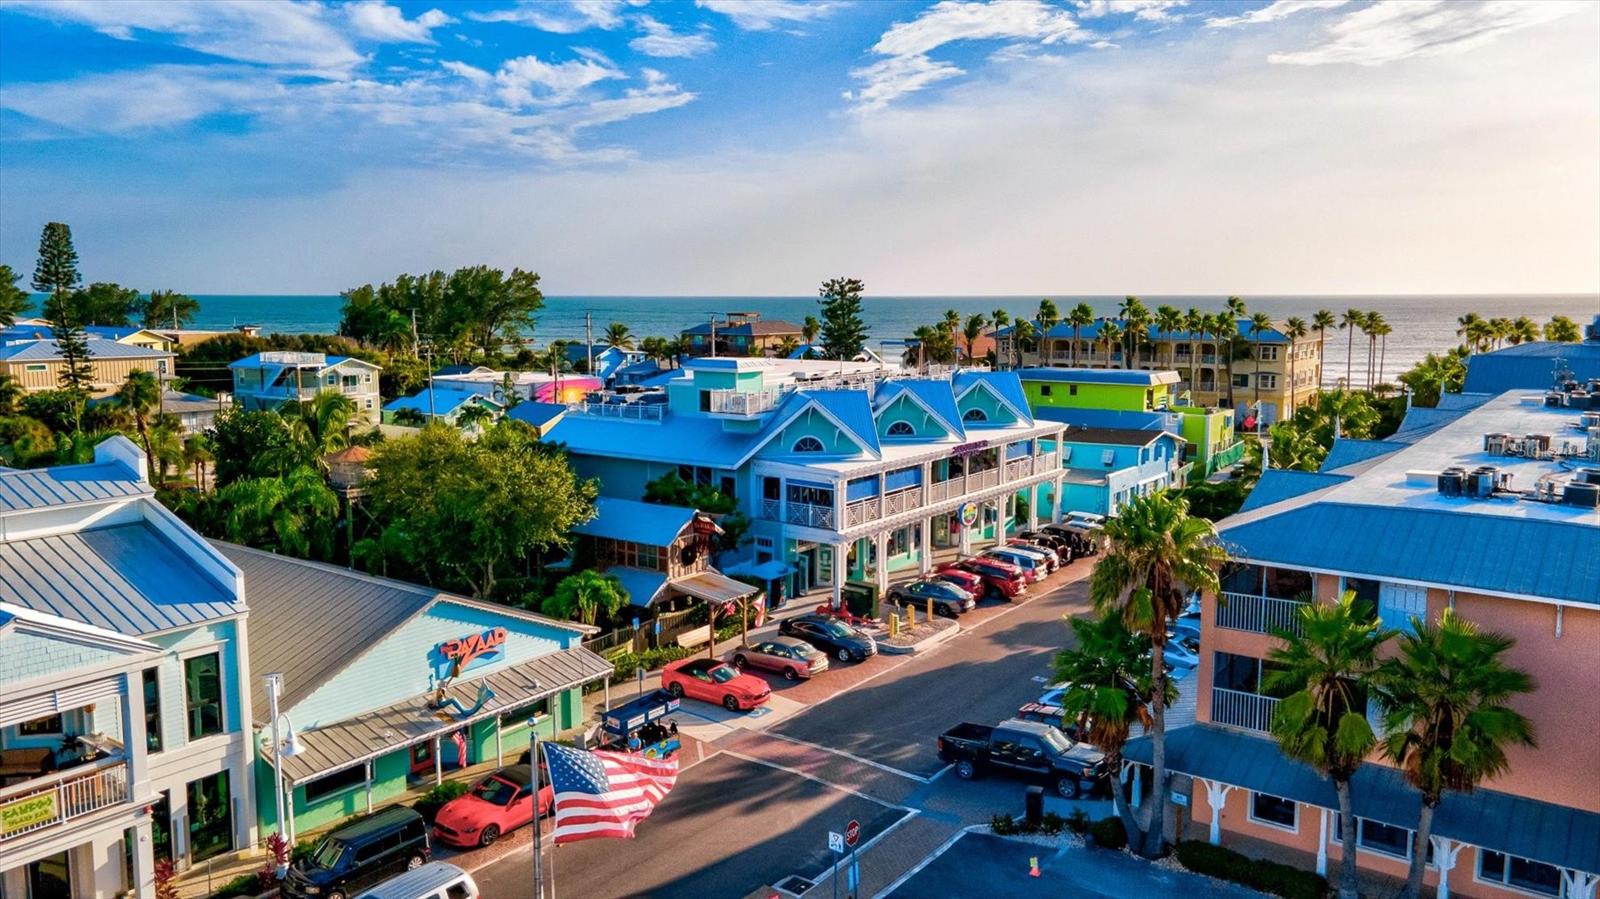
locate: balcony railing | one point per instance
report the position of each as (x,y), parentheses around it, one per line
(1258,614)
(939,491)
(733,402)
(860,512)
(1017,469)
(902,500)
(60,797)
(1236,708)
(630,411)
(810,515)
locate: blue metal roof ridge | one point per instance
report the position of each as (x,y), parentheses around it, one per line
(1349,451)
(1278,484)
(640,522)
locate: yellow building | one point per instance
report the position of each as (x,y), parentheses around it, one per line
(36,364)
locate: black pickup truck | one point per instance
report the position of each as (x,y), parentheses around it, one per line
(1026,749)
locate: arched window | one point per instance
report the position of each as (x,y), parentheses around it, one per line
(807,445)
(975,415)
(901,429)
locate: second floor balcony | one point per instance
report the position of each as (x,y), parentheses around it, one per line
(734,402)
(54,799)
(1258,614)
(1242,709)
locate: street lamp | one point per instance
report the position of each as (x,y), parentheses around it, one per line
(281,749)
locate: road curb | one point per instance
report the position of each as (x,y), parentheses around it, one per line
(933,639)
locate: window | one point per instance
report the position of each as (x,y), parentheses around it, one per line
(202,690)
(152,710)
(1274,811)
(1385,838)
(521,714)
(1519,873)
(1072,390)
(807,445)
(49,726)
(1044,389)
(36,366)
(1398,604)
(901,429)
(337,782)
(1241,380)
(1269,353)
(1269,381)
(974,415)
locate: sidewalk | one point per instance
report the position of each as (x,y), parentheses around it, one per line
(902,848)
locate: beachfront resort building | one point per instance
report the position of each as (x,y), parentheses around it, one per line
(740,334)
(1490,506)
(1286,374)
(274,378)
(123,706)
(29,354)
(850,472)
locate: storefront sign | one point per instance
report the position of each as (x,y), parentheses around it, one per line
(705,526)
(967,449)
(969,514)
(466,650)
(27,813)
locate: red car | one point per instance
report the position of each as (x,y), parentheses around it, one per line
(845,615)
(1000,579)
(966,580)
(709,680)
(496,805)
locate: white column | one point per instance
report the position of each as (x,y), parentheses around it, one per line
(144,859)
(880,543)
(1138,786)
(1033,507)
(964,539)
(925,546)
(438,764)
(133,738)
(1445,851)
(368,766)
(1322,842)
(1216,796)
(499,745)
(840,560)
(1055,500)
(1579,884)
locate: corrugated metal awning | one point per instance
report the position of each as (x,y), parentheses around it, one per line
(382,731)
(713,586)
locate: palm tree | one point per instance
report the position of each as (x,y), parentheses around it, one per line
(140,393)
(810,328)
(1352,320)
(1111,336)
(1466,324)
(1446,699)
(1561,329)
(1022,331)
(408,417)
(1258,323)
(1321,321)
(1381,330)
(1079,317)
(10,393)
(1225,328)
(1158,554)
(1049,315)
(1523,330)
(326,422)
(475,416)
(292,514)
(1168,320)
(1136,324)
(1373,322)
(617,335)
(1110,690)
(1000,318)
(787,346)
(1295,329)
(1327,669)
(196,453)
(972,330)
(952,325)
(1500,329)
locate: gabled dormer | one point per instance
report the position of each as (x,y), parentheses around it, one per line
(990,400)
(917,411)
(829,424)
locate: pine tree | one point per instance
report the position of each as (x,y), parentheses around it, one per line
(57,275)
(13,299)
(57,271)
(843,331)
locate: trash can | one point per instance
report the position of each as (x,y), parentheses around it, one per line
(1033,806)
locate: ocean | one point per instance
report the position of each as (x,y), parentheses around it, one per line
(1421,324)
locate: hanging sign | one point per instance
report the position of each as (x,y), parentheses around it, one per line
(969,514)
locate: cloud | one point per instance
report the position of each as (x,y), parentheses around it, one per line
(559,16)
(471,73)
(529,80)
(764,15)
(1143,10)
(1387,32)
(377,20)
(908,67)
(161,97)
(1278,9)
(661,41)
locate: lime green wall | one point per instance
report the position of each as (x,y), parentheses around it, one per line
(1120,397)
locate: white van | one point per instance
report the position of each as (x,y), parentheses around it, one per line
(435,880)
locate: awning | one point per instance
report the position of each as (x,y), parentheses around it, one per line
(644,587)
(713,586)
(382,731)
(1515,825)
(765,571)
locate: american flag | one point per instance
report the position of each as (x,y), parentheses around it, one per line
(604,794)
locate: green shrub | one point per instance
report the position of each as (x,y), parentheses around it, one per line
(433,800)
(1108,833)
(243,885)
(1078,821)
(1052,823)
(1271,877)
(1003,825)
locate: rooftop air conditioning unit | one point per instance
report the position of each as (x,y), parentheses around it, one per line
(1452,481)
(1495,444)
(1485,480)
(1588,420)
(1555,398)
(1586,496)
(1537,444)
(1589,476)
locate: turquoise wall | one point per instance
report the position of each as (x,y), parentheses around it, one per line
(981,397)
(812,423)
(903,408)
(26,656)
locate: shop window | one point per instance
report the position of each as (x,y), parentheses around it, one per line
(152,710)
(521,714)
(210,817)
(202,687)
(48,726)
(1375,836)
(1274,811)
(337,782)
(1519,873)
(1044,389)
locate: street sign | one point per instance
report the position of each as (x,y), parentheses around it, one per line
(835,841)
(1179,798)
(852,833)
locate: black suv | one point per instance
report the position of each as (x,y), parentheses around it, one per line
(360,854)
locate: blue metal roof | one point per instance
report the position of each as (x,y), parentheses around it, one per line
(643,586)
(1349,451)
(443,400)
(1528,557)
(537,414)
(680,439)
(1530,366)
(99,348)
(640,522)
(36,488)
(1005,384)
(1099,376)
(1515,825)
(851,407)
(1279,484)
(45,332)
(1125,419)
(936,395)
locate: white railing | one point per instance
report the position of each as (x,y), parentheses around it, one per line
(902,500)
(733,402)
(1047,462)
(861,511)
(1258,614)
(631,411)
(810,515)
(990,478)
(1017,469)
(1236,708)
(60,797)
(939,491)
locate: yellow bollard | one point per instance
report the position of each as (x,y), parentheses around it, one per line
(930,608)
(911,616)
(894,625)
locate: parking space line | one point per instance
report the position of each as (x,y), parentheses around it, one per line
(942,772)
(812,777)
(852,757)
(899,881)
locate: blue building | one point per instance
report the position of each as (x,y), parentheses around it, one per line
(443,402)
(1534,366)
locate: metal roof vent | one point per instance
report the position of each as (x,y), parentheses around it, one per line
(1452,481)
(1485,480)
(1495,444)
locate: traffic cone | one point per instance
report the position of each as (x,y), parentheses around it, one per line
(1033,866)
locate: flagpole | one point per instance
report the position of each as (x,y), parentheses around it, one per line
(538,826)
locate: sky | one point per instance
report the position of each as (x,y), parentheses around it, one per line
(757,147)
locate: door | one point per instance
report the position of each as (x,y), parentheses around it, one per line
(702,687)
(521,811)
(50,878)
(1399,603)
(210,817)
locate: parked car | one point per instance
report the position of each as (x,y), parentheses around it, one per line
(363,853)
(1053,715)
(709,680)
(1001,580)
(1053,693)
(787,656)
(1061,545)
(966,580)
(498,804)
(1050,555)
(830,635)
(1187,625)
(1085,538)
(1024,749)
(435,880)
(1033,566)
(1182,652)
(949,600)
(842,613)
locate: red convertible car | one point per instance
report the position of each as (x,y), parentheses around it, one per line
(712,681)
(496,805)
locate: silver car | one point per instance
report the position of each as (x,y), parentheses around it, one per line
(794,659)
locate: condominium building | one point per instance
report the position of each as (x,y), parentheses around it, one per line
(1490,506)
(272,379)
(37,364)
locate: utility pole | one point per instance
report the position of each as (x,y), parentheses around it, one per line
(713,335)
(588,340)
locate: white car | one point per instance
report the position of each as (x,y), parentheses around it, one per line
(1032,552)
(1183,651)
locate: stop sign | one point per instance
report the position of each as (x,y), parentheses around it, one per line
(852,833)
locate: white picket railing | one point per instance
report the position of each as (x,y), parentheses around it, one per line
(1258,614)
(1237,708)
(47,801)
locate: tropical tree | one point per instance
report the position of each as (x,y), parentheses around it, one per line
(1437,374)
(166,445)
(844,332)
(1295,329)
(1259,323)
(1079,317)
(931,344)
(13,299)
(410,418)
(1468,326)
(1446,697)
(196,453)
(323,424)
(810,328)
(1353,320)
(585,596)
(1499,330)
(103,303)
(1321,321)
(1327,670)
(1194,322)
(617,335)
(1000,319)
(1561,330)
(11,393)
(1110,337)
(952,323)
(1022,332)
(786,346)
(139,394)
(1372,323)
(971,331)
(1135,325)
(293,514)
(1048,317)
(170,309)
(1224,329)
(476,416)
(56,274)
(1381,329)
(1523,330)
(1110,690)
(1168,320)
(1158,555)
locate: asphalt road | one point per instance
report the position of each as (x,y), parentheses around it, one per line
(982,675)
(728,826)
